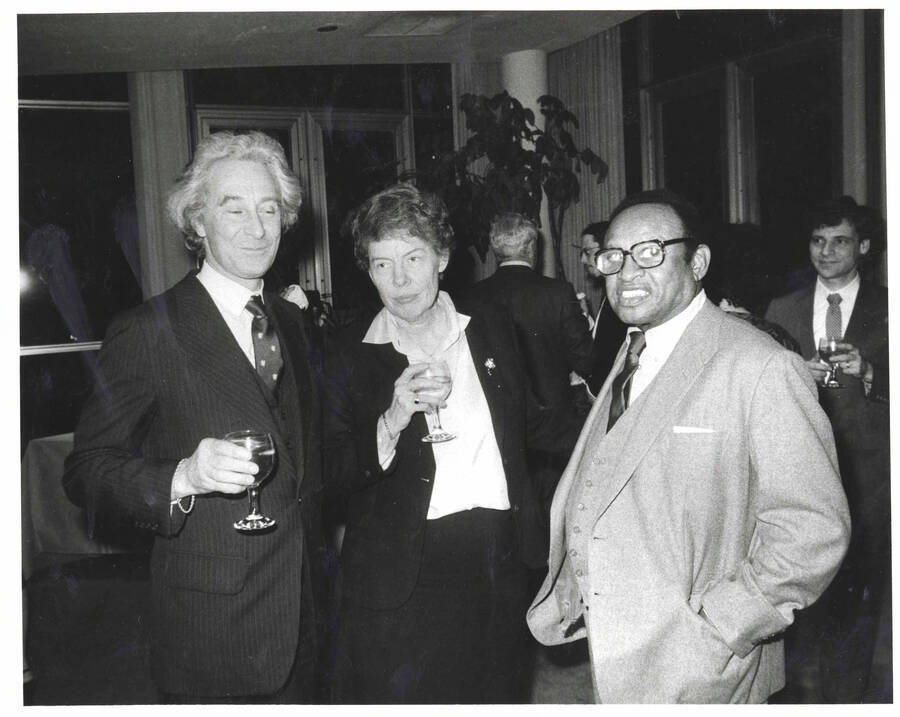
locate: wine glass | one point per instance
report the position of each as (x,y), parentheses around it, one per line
(438,371)
(827,348)
(259,443)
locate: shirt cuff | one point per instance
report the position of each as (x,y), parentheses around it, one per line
(386,443)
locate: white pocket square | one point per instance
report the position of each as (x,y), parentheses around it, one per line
(692,429)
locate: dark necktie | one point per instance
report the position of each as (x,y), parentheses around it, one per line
(622,382)
(833,317)
(266,347)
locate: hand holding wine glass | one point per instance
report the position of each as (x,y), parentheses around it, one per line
(439,372)
(262,449)
(850,361)
(828,347)
(216,466)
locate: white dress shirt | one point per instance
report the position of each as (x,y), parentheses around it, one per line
(661,341)
(515,262)
(468,469)
(820,306)
(231,300)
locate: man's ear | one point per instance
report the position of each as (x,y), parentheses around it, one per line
(864,246)
(199,228)
(445,259)
(700,261)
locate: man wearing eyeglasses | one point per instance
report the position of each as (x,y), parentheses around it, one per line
(607,331)
(701,506)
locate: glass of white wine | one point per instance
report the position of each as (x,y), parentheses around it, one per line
(827,348)
(438,371)
(260,445)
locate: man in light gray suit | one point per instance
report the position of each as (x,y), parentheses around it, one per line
(702,504)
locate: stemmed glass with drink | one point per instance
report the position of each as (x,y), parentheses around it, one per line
(260,445)
(827,348)
(438,371)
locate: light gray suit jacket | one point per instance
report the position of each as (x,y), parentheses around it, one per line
(717,490)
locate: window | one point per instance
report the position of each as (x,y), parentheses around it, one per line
(693,156)
(739,111)
(79,263)
(687,41)
(432,107)
(797,131)
(349,132)
(358,163)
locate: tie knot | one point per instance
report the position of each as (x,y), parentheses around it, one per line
(255,307)
(834,299)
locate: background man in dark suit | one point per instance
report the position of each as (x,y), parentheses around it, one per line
(232,615)
(552,332)
(840,235)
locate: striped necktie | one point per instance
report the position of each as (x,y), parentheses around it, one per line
(621,384)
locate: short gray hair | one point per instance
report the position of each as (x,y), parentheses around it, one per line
(514,237)
(188,197)
(402,207)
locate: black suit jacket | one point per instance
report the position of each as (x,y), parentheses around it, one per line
(386,509)
(860,422)
(609,334)
(226,606)
(552,332)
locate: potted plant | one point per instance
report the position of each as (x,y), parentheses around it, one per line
(521,163)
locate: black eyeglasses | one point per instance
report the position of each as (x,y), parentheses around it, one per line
(646,254)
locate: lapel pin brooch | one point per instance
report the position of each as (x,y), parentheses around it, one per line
(490,365)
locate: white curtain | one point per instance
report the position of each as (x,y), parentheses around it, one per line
(587,77)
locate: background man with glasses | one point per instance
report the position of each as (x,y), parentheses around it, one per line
(607,330)
(702,503)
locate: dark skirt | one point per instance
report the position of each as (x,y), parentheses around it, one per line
(460,638)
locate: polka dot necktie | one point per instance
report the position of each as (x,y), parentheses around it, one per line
(266,348)
(622,382)
(833,318)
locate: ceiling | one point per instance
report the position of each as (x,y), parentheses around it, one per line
(107,42)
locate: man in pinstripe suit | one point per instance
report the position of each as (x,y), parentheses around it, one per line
(232,615)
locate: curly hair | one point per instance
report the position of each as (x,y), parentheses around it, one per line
(401,207)
(189,194)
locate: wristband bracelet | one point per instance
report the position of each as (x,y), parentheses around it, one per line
(388,428)
(177,501)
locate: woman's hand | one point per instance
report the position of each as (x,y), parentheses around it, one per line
(413,392)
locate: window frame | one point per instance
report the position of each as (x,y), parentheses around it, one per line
(734,80)
(69,105)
